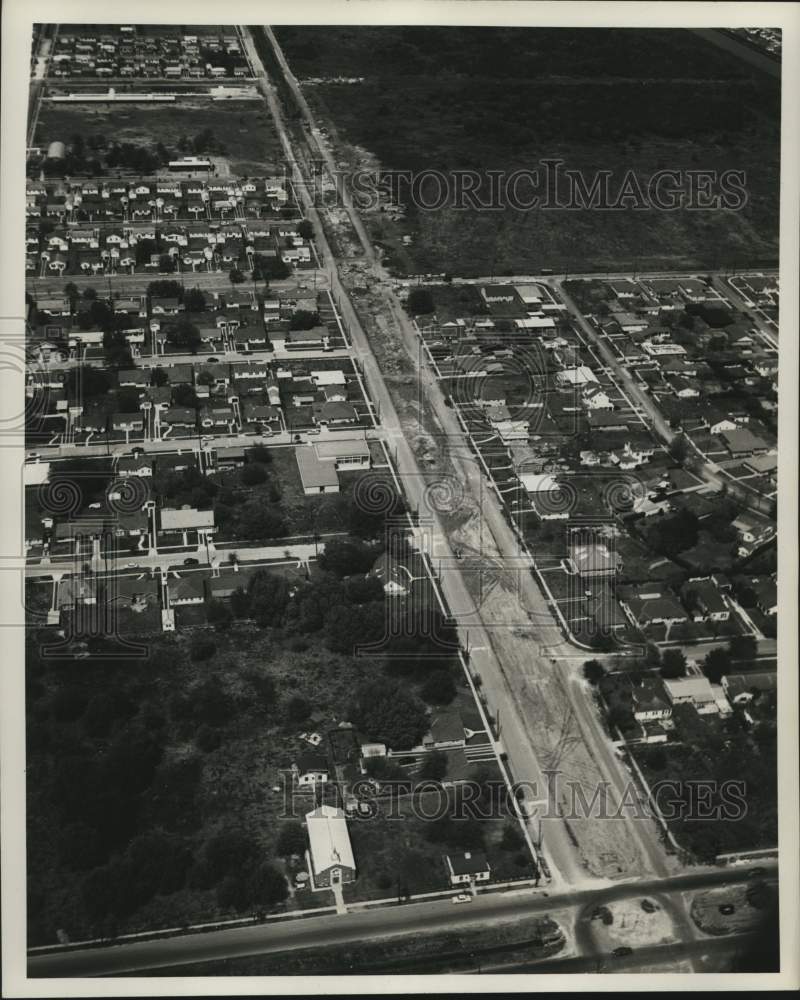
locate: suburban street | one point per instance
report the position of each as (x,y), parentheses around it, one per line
(208,281)
(363,924)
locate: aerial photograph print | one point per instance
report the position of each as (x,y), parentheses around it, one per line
(393,401)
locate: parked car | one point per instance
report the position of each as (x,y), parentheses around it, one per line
(462,897)
(191,562)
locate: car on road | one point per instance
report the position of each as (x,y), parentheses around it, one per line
(462,897)
(623,950)
(212,361)
(756,872)
(191,562)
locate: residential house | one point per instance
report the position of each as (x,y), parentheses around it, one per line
(650,701)
(594,559)
(753,530)
(654,606)
(330,854)
(742,442)
(469,867)
(695,691)
(186,589)
(766,591)
(316,476)
(704,601)
(741,689)
(310,768)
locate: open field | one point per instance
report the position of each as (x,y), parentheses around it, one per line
(448,99)
(243,128)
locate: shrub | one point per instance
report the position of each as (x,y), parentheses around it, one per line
(202,649)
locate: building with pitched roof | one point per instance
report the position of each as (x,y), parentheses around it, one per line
(330,854)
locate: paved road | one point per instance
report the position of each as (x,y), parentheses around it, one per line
(642,959)
(637,275)
(207,281)
(309,932)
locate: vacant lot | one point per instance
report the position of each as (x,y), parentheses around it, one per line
(243,128)
(622,100)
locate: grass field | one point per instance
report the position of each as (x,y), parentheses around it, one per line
(639,101)
(244,128)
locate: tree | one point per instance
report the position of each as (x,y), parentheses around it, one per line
(716,664)
(260,453)
(183,333)
(255,520)
(305,229)
(302,319)
(269,268)
(346,556)
(104,710)
(420,302)
(270,886)
(268,596)
(673,663)
(252,474)
(218,614)
(165,288)
(434,766)
(202,649)
(161,861)
(387,712)
(743,647)
(194,300)
(439,688)
(235,276)
(349,626)
(132,759)
(79,847)
(298,709)
(364,589)
(677,533)
(228,852)
(184,395)
(291,840)
(111,891)
(593,671)
(208,738)
(86,382)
